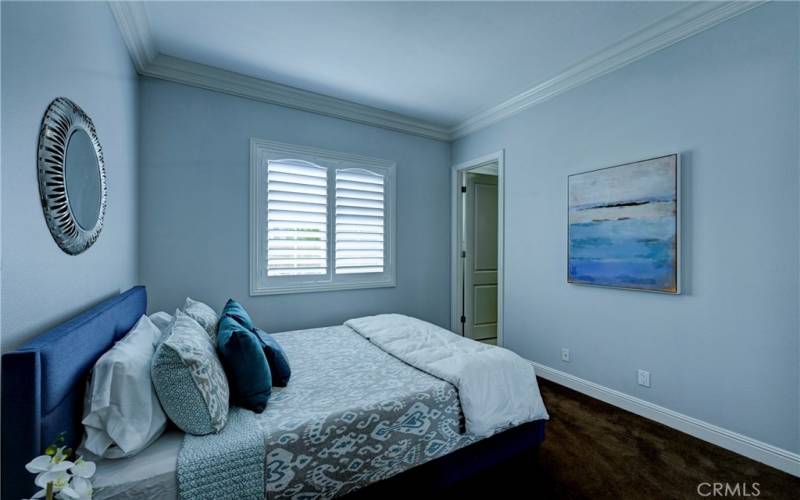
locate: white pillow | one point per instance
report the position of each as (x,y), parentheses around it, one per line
(162,320)
(123,414)
(204,315)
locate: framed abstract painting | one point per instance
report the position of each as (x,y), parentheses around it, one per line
(624,226)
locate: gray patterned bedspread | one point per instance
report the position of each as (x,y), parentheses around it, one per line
(352,415)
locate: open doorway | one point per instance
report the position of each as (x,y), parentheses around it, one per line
(477,254)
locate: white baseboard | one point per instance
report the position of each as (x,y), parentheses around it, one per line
(773,456)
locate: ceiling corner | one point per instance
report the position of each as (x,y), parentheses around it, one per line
(134,26)
(132,19)
(684,23)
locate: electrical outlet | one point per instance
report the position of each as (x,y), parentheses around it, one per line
(644,378)
(565,354)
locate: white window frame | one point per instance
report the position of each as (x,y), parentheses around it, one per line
(261,152)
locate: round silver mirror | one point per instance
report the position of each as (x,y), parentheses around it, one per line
(72,180)
(82,179)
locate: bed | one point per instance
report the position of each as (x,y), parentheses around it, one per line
(368,422)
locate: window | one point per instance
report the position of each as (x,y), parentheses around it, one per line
(319,220)
(297,219)
(360,213)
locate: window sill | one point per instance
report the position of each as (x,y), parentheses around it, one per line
(326,287)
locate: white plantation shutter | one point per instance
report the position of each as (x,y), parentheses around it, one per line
(360,221)
(297,196)
(319,220)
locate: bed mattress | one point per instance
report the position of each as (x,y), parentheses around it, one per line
(351,415)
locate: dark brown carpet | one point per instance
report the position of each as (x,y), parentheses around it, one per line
(593,450)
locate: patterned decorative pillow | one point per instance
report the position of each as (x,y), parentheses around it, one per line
(204,315)
(189,379)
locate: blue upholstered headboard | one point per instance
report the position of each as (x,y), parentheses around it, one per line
(43,384)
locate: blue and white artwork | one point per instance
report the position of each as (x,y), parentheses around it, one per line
(623,226)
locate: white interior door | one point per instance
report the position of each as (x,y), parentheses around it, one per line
(480,261)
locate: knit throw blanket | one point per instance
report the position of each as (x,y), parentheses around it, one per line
(228,465)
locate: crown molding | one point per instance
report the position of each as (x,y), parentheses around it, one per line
(132,19)
(207,77)
(691,20)
(134,26)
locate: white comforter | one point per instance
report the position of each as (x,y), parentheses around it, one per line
(496,387)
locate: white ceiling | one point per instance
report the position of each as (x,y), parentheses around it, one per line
(438,62)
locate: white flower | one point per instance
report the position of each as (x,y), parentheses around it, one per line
(59,462)
(39,494)
(80,489)
(59,455)
(60,480)
(83,468)
(70,479)
(39,464)
(45,463)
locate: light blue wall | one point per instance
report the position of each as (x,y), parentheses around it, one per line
(194,209)
(726,351)
(73,50)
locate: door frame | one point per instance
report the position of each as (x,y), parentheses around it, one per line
(456,279)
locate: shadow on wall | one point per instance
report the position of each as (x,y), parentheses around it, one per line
(687,226)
